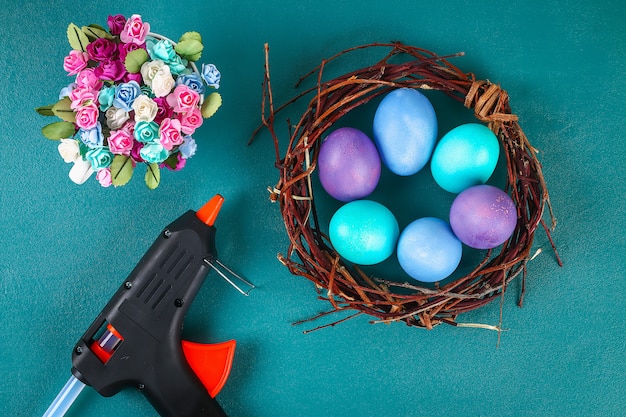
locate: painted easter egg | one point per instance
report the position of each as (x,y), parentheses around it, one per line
(465,156)
(405,130)
(348,164)
(364,232)
(483,216)
(428,250)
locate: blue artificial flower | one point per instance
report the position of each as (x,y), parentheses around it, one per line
(105,97)
(154,153)
(125,94)
(188,147)
(192,81)
(211,75)
(146,132)
(65,91)
(92,138)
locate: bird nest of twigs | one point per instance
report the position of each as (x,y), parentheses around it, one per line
(347,287)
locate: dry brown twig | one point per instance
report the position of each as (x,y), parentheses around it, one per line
(310,253)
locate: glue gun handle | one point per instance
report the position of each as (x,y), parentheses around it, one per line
(176,392)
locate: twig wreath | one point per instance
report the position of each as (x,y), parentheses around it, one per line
(310,253)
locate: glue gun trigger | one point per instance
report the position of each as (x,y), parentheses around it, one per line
(210,362)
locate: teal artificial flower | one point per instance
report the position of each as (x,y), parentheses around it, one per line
(154,153)
(106,97)
(146,132)
(99,158)
(162,50)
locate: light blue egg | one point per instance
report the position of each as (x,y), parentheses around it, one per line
(364,232)
(405,130)
(465,156)
(428,250)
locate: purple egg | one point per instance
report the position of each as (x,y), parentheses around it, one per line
(348,164)
(483,217)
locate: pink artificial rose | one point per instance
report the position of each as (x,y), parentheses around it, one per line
(164,111)
(82,96)
(112,70)
(190,121)
(135,31)
(87,116)
(75,62)
(104,177)
(101,49)
(116,23)
(129,127)
(170,133)
(183,99)
(87,78)
(120,142)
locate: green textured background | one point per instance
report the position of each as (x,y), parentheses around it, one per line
(66,248)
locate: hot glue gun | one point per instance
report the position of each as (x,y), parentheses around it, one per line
(136,339)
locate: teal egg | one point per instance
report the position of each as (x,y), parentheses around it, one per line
(465,156)
(364,232)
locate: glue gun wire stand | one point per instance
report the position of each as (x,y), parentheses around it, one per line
(136,338)
(216,264)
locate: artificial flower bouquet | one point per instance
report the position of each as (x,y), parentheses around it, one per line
(137,98)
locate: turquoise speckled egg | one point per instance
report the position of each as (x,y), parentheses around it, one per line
(364,232)
(465,156)
(405,130)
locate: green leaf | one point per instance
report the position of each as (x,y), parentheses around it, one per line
(135,59)
(172,160)
(190,36)
(211,104)
(63,110)
(94,32)
(153,176)
(45,110)
(58,130)
(190,49)
(78,40)
(95,25)
(121,170)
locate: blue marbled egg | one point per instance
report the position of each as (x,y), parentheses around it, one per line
(428,250)
(405,130)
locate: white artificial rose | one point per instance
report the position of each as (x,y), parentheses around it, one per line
(163,82)
(116,118)
(149,69)
(145,109)
(68,149)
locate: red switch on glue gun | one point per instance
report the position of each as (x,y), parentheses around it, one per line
(136,339)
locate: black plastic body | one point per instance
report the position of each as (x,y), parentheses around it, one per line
(148,311)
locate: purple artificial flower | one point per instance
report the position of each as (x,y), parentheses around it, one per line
(116,23)
(124,48)
(101,50)
(112,70)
